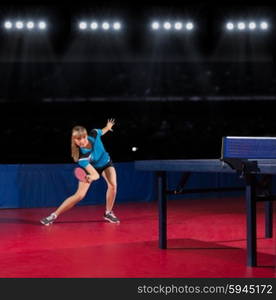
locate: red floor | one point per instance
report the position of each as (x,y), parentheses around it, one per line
(206,239)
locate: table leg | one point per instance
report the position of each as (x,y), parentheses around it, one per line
(266,183)
(268,219)
(251,221)
(162,208)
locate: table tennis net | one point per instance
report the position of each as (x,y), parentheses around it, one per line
(248,147)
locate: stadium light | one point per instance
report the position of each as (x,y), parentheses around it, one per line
(105,25)
(30,25)
(19,25)
(42,25)
(241,25)
(167,25)
(230,26)
(155,25)
(264,25)
(94,25)
(178,25)
(117,26)
(82,25)
(189,26)
(8,24)
(252,25)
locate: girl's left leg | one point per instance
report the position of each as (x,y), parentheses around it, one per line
(109,174)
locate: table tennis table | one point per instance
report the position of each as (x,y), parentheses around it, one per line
(249,157)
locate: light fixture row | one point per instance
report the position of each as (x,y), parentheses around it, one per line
(246,25)
(21,24)
(93,25)
(167,25)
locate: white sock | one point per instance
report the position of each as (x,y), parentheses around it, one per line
(54,215)
(108,211)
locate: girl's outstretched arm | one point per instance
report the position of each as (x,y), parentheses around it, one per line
(108,127)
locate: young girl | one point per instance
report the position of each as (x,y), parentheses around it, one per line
(89,152)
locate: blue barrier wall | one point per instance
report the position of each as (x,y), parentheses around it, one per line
(41,185)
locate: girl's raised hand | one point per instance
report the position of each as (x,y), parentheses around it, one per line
(110,124)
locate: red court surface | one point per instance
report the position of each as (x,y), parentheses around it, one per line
(206,239)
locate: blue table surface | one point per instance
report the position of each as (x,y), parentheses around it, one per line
(266,166)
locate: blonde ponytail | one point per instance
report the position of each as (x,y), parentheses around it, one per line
(77,132)
(75,152)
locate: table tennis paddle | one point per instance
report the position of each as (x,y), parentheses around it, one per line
(80,174)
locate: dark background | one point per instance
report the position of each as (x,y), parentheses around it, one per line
(172,95)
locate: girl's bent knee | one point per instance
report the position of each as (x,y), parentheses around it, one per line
(113,187)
